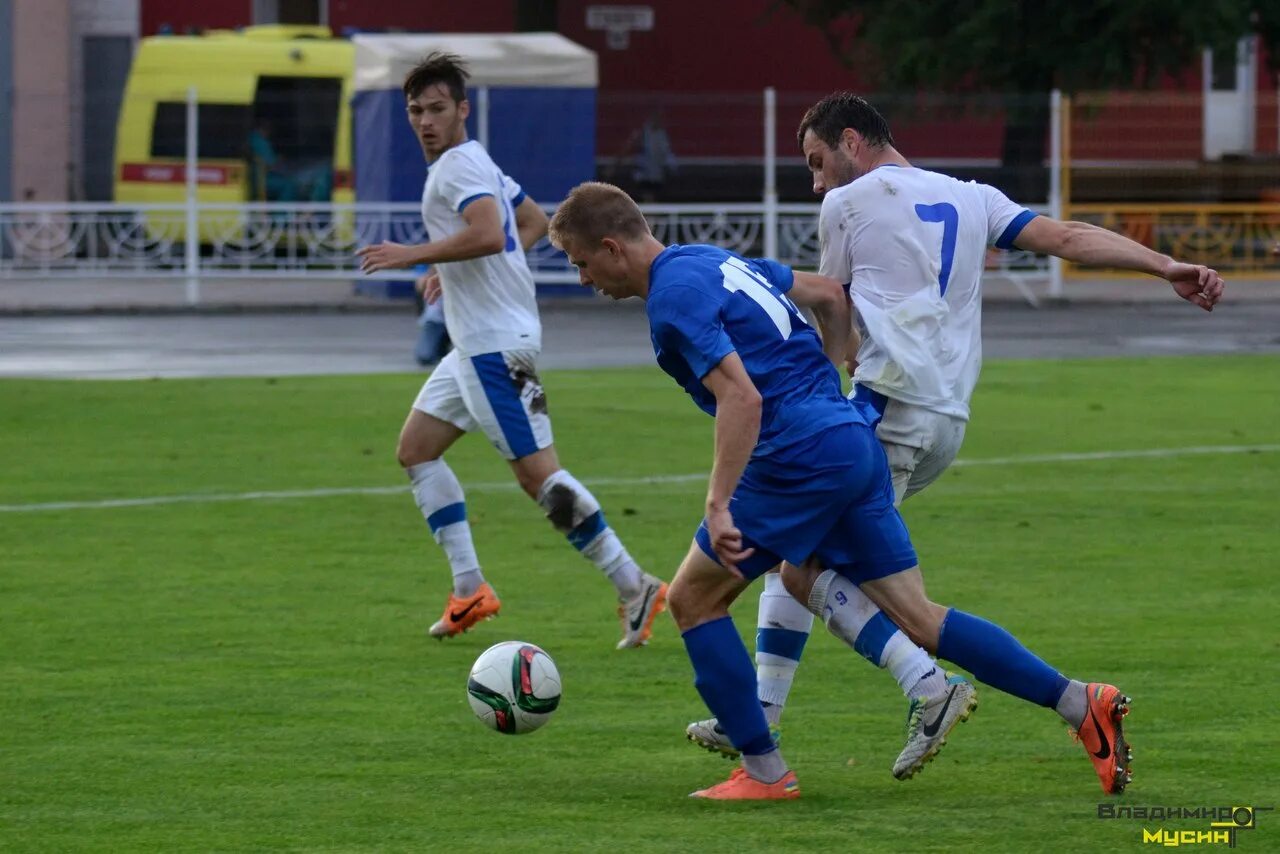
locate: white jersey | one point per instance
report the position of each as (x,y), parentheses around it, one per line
(489,304)
(912,244)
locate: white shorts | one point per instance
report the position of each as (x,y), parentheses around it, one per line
(919,443)
(497,393)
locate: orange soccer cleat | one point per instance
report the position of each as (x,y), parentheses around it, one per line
(1103,738)
(741,786)
(461,613)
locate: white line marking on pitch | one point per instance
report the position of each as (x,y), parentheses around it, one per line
(510,486)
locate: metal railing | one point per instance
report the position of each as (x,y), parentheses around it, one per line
(196,239)
(266,240)
(1233,238)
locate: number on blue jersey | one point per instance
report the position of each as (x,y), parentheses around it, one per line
(945,213)
(740,278)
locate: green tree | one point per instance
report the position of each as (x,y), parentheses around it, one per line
(1028,47)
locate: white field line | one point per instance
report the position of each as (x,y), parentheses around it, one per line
(510,486)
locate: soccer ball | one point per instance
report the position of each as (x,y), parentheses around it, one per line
(514,687)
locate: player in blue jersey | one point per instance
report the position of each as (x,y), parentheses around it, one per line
(798,471)
(913,243)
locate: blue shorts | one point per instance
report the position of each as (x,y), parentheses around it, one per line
(833,500)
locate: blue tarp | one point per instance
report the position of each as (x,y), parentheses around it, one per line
(544,138)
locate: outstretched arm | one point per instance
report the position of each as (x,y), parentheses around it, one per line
(1083,243)
(826,298)
(738,407)
(481,236)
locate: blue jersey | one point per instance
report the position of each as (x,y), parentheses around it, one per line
(705,303)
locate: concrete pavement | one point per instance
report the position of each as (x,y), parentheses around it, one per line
(578,333)
(119,295)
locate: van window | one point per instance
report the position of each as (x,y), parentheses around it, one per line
(223,132)
(302,113)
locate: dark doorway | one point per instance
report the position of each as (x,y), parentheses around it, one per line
(295,126)
(105,69)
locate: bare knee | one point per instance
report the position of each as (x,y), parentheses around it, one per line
(532,472)
(799,580)
(681,604)
(424,438)
(412,451)
(921,622)
(531,482)
(690,607)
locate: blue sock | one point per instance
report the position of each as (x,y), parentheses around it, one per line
(996,657)
(724,676)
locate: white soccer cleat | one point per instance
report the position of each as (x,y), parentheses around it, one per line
(638,612)
(930,720)
(708,735)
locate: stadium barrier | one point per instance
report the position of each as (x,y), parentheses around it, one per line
(1236,239)
(269,240)
(750,137)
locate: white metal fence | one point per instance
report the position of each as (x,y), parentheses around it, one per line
(266,240)
(262,240)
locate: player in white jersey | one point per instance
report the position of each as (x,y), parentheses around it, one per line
(479,223)
(912,245)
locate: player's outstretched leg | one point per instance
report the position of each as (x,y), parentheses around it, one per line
(997,658)
(1094,711)
(574,512)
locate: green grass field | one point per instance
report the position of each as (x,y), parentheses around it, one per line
(255,674)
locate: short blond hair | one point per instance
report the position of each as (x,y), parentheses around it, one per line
(593,211)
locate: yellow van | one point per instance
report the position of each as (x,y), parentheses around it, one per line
(274,112)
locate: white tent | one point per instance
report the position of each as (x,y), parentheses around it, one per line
(495,59)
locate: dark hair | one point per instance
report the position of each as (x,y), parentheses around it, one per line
(829,117)
(438,67)
(593,211)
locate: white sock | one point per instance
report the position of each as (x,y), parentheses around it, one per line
(855,619)
(782,627)
(439,496)
(574,512)
(918,675)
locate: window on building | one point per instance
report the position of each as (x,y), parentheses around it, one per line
(289,11)
(536,16)
(1224,70)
